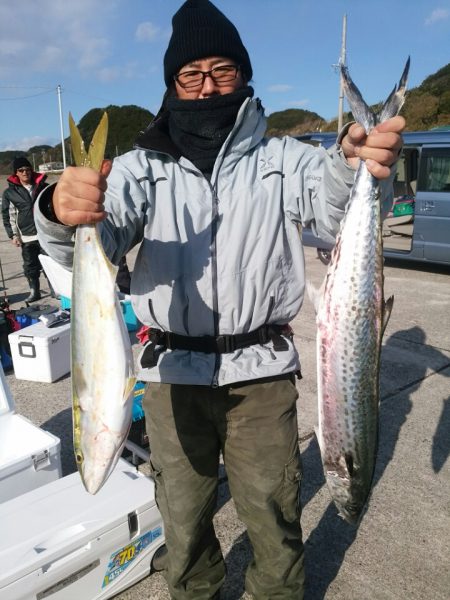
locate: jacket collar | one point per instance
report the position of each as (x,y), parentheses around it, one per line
(248,131)
(37,178)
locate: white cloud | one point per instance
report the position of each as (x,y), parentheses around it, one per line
(128,71)
(280,88)
(72,36)
(28,142)
(147,32)
(298,103)
(438,14)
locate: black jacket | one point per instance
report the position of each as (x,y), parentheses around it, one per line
(17,206)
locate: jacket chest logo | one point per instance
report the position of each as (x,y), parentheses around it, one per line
(265,164)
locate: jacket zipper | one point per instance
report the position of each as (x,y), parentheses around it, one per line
(215,219)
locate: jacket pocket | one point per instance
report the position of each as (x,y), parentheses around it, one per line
(290,500)
(152,314)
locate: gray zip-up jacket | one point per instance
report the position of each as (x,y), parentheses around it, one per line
(219,256)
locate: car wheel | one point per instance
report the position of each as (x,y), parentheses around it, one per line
(324,255)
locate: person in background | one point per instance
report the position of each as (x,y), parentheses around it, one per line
(24,186)
(218,278)
(123,279)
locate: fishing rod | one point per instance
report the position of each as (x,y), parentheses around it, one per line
(5,303)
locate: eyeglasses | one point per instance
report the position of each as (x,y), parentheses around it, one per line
(194,79)
(24,170)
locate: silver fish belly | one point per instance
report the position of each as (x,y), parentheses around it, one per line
(351,317)
(102,363)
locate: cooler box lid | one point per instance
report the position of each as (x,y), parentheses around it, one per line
(51,521)
(20,441)
(6,399)
(39,334)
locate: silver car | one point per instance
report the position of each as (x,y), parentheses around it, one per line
(418,226)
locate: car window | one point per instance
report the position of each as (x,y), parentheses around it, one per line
(435,170)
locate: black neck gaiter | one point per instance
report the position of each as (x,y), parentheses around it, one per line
(199,127)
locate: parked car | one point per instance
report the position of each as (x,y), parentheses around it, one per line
(418,226)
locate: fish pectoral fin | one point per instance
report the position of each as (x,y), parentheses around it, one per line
(387,309)
(128,389)
(315,294)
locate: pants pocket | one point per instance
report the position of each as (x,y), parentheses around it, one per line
(290,505)
(160,491)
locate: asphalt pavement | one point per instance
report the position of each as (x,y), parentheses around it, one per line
(401,548)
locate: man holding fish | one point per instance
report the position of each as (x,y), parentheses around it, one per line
(218,277)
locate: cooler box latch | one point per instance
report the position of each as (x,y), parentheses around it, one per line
(40,461)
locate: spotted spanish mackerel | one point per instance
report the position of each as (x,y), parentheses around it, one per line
(351,318)
(102,360)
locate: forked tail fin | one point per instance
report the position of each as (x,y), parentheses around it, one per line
(363,114)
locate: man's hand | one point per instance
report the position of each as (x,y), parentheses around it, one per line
(380,149)
(79,195)
(16,241)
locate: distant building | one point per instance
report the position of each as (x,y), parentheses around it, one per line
(51,167)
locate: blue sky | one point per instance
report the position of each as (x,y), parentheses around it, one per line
(110,52)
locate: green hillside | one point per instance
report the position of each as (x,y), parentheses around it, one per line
(427,106)
(125,122)
(293,121)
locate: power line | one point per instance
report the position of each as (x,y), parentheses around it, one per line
(24,87)
(47,91)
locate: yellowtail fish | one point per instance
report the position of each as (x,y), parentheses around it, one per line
(351,318)
(102,360)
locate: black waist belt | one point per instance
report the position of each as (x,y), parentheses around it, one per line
(223,344)
(220,344)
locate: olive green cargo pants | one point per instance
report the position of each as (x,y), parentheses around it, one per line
(254,425)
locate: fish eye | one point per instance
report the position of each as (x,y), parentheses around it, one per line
(79,457)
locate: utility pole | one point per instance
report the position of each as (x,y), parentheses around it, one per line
(58,89)
(342,62)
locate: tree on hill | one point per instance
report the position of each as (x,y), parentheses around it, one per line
(293,121)
(426,106)
(125,122)
(6,160)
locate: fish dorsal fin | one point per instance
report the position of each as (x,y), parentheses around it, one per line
(387,309)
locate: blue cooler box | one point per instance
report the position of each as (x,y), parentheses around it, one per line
(127,311)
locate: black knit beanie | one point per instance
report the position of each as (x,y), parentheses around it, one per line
(19,162)
(200,30)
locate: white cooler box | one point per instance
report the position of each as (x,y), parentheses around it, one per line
(60,542)
(29,456)
(41,353)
